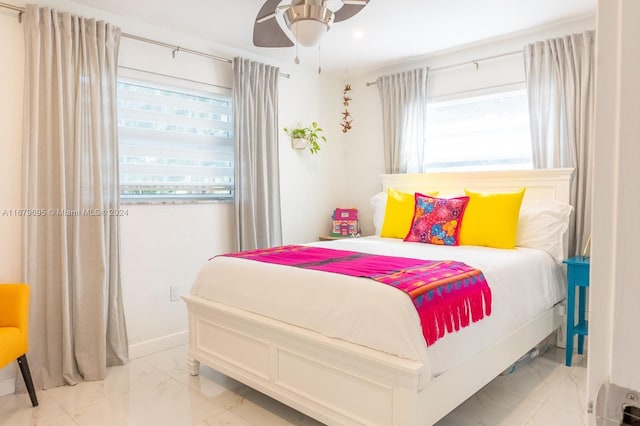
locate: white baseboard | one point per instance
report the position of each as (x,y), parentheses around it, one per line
(7,386)
(8,379)
(158,344)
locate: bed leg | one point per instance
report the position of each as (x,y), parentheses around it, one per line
(193,365)
(561,340)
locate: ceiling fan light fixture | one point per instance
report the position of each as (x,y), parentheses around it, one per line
(308,22)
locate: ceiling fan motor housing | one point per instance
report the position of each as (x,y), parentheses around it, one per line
(308,21)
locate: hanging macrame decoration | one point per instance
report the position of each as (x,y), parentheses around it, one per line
(346,115)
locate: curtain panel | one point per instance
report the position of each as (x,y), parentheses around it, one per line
(403,97)
(257,175)
(71,250)
(560,76)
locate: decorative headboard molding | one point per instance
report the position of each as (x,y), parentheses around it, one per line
(540,183)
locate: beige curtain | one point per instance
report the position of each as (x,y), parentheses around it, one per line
(404,119)
(71,246)
(257,177)
(560,83)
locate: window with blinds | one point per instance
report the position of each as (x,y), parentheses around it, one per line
(174,143)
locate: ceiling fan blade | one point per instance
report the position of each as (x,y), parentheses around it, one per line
(349,9)
(266,30)
(268,8)
(269,34)
(266,18)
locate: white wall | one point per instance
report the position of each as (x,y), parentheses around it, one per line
(164,246)
(365,140)
(613,344)
(311,185)
(11,86)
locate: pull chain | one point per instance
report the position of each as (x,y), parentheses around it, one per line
(297,60)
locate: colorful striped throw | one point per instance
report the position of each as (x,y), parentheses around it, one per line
(448,295)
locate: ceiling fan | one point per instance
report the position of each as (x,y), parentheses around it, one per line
(307,20)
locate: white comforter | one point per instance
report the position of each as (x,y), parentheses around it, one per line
(524,282)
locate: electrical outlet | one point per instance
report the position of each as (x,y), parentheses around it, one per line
(173,293)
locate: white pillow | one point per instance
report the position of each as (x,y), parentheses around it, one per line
(379,203)
(542,224)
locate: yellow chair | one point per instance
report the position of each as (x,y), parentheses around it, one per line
(14,331)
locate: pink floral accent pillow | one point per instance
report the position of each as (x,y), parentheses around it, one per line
(437,220)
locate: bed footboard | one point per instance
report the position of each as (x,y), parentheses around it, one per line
(339,383)
(328,379)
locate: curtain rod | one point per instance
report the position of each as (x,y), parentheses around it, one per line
(174,77)
(12,7)
(475,62)
(173,48)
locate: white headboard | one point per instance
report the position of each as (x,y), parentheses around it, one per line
(540,183)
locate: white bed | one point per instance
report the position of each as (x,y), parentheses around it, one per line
(371,366)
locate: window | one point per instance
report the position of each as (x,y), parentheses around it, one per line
(489,131)
(174,143)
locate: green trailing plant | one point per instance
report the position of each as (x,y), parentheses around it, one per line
(310,134)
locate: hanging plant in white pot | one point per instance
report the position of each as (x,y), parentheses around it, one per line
(306,137)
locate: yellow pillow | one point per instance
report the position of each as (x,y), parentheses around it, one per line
(491,220)
(398,214)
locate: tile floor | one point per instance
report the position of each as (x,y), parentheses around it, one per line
(157,390)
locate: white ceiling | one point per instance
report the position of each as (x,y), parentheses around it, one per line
(392,30)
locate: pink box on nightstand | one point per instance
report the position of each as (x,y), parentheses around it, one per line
(345,223)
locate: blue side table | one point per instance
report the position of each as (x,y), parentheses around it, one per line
(577,276)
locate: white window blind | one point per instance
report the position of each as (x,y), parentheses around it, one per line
(174,143)
(489,131)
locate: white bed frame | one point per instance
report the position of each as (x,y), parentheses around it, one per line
(339,383)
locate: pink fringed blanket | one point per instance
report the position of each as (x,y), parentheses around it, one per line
(447,294)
